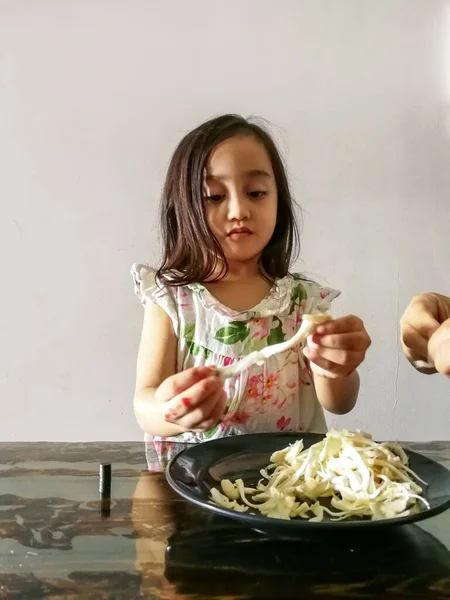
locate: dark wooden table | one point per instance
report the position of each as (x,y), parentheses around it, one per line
(56,543)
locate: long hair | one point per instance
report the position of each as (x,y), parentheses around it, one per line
(190,250)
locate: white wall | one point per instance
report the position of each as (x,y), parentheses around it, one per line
(93,96)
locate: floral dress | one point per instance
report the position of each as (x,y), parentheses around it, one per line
(278,395)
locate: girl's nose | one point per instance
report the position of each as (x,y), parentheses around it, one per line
(238,207)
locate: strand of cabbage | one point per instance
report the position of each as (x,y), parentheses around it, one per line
(307,328)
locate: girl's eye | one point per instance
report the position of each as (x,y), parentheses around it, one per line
(215,198)
(257,194)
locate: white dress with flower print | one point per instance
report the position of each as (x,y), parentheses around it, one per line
(276,396)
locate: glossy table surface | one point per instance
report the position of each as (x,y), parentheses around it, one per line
(58,540)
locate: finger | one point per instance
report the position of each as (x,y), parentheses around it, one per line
(328,366)
(346,324)
(176,411)
(178,383)
(433,305)
(415,345)
(336,356)
(216,415)
(350,341)
(420,321)
(204,412)
(442,358)
(439,348)
(191,398)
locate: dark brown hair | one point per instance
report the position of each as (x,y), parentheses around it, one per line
(191,251)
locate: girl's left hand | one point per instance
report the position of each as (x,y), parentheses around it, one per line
(337,347)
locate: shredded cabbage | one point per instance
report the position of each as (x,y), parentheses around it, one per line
(356,476)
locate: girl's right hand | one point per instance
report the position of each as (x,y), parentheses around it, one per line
(193,399)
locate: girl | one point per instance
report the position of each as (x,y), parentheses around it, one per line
(224,290)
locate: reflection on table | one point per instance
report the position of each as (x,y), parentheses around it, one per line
(55,542)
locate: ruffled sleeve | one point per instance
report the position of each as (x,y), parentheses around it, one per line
(322,297)
(314,297)
(147,289)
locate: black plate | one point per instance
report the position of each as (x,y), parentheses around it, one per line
(193,472)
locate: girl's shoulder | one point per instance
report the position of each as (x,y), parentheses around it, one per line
(149,290)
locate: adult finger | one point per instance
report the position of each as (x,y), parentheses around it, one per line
(415,345)
(439,348)
(442,358)
(418,319)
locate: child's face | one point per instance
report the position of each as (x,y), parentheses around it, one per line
(241,197)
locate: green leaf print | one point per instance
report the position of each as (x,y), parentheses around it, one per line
(211,432)
(276,334)
(253,345)
(196,349)
(193,348)
(236,331)
(299,292)
(188,331)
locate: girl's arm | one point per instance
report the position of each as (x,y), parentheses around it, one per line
(156,362)
(337,396)
(335,351)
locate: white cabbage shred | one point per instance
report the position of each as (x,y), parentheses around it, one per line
(308,326)
(356,476)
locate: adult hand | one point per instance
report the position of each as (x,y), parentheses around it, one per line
(425,333)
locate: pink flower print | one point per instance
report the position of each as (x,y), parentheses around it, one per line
(261,328)
(279,403)
(241,417)
(254,387)
(282,423)
(282,399)
(227,361)
(235,418)
(293,322)
(261,403)
(293,355)
(183,300)
(324,292)
(270,381)
(267,397)
(252,392)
